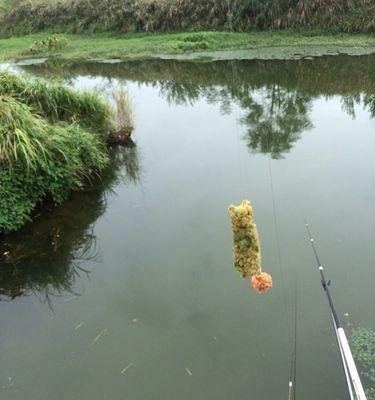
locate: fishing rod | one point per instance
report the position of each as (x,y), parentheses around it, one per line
(351,373)
(292,386)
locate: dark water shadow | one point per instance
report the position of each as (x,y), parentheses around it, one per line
(48,256)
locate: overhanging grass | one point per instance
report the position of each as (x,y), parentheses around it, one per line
(131,46)
(43,156)
(58,103)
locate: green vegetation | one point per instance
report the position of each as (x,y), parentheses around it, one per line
(51,142)
(363,341)
(78,16)
(50,44)
(126,46)
(46,258)
(58,103)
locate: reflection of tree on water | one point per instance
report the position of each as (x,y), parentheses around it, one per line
(275,120)
(48,256)
(350,101)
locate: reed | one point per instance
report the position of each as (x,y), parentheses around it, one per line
(123,110)
(77,16)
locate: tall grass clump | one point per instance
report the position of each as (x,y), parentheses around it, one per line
(123,118)
(123,110)
(58,103)
(43,159)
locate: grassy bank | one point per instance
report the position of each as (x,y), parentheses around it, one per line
(52,141)
(127,46)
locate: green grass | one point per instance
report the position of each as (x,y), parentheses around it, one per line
(5,5)
(130,46)
(47,149)
(58,103)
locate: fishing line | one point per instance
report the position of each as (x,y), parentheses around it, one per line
(292,387)
(240,155)
(279,258)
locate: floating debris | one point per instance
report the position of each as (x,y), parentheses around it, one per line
(70,299)
(246,247)
(78,326)
(126,368)
(98,337)
(188,371)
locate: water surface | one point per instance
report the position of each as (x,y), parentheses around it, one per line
(128,291)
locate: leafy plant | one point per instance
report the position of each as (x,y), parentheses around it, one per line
(363,343)
(50,44)
(42,156)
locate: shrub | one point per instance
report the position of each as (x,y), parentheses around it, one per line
(42,157)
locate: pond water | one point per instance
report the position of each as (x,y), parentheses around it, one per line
(128,291)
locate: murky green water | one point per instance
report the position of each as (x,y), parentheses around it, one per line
(128,291)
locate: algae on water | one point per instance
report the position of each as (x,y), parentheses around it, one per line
(246,247)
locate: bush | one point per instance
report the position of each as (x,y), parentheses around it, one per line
(41,157)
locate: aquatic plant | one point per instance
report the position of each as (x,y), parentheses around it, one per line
(363,344)
(123,117)
(363,341)
(123,110)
